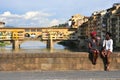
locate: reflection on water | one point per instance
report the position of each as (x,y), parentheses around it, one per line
(33,47)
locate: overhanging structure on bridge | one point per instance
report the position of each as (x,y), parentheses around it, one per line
(16,35)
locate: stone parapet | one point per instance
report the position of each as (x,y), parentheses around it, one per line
(54,61)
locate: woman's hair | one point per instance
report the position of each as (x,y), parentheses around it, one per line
(108,33)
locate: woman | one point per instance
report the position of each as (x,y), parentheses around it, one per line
(93,46)
(107,50)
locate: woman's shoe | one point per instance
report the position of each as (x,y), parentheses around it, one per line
(107,68)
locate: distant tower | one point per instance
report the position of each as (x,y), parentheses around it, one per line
(2,24)
(70,23)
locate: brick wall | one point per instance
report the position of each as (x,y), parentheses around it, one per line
(54,61)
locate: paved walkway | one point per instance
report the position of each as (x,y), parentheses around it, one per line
(61,75)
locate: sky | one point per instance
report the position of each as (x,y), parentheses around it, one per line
(45,13)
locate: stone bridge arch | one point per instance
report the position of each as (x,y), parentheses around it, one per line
(27,35)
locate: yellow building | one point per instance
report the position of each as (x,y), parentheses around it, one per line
(103,21)
(57,33)
(78,20)
(11,33)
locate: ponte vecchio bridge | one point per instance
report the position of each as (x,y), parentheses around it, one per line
(18,35)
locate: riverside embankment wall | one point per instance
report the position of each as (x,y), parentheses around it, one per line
(54,61)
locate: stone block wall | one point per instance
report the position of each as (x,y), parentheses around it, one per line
(54,61)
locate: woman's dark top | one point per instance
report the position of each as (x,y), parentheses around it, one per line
(94,45)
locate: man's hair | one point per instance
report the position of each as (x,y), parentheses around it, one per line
(108,33)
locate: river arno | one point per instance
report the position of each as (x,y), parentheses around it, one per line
(40,47)
(34,47)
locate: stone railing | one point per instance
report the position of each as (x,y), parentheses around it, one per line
(54,61)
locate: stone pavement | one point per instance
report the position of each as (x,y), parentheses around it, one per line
(60,75)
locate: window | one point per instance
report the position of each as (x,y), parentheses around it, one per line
(27,30)
(33,30)
(39,30)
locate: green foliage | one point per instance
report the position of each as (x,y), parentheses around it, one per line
(2,44)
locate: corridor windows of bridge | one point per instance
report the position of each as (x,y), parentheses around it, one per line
(5,35)
(14,35)
(8,35)
(27,30)
(65,37)
(45,35)
(21,34)
(39,30)
(33,30)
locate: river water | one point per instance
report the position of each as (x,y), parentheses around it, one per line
(34,47)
